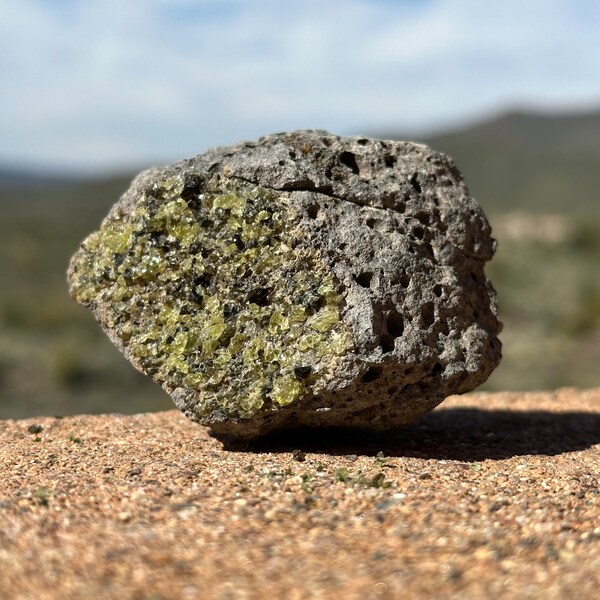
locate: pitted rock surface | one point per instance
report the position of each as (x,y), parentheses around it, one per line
(303,279)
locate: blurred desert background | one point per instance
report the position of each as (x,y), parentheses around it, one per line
(94,93)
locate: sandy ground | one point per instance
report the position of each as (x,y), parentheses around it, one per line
(490,496)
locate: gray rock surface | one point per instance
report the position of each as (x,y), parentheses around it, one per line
(373,309)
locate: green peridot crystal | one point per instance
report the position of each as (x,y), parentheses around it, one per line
(207,287)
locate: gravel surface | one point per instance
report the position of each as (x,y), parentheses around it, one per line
(491,495)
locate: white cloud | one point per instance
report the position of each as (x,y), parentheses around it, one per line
(103,84)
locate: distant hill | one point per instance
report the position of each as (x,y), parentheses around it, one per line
(528,161)
(36,197)
(519,161)
(22,178)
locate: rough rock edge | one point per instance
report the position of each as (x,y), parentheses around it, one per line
(415,174)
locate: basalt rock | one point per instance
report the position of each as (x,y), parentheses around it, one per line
(303,279)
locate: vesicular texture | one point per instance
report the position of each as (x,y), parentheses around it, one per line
(305,278)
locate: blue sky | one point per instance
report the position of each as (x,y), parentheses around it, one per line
(97,85)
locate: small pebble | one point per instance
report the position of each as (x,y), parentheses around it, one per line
(298,455)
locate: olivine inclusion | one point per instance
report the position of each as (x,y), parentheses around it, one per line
(209,288)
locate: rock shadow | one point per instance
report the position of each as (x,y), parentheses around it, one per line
(465,434)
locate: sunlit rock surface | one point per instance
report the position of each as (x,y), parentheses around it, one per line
(301,279)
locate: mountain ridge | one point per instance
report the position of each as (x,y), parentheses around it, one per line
(518,160)
(528,161)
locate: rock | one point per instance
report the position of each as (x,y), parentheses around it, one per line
(303,279)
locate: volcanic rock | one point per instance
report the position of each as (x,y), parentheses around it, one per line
(303,279)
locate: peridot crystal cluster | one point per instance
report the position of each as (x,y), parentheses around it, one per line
(207,289)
